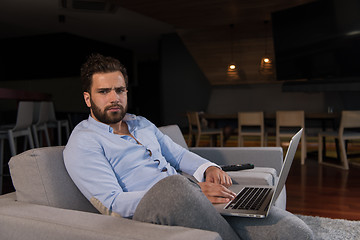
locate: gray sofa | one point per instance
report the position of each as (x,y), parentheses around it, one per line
(47,204)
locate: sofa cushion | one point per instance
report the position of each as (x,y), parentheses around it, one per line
(256,176)
(19,220)
(39,176)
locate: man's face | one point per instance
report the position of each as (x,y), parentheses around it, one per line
(107,99)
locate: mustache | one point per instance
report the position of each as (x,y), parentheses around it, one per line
(114,105)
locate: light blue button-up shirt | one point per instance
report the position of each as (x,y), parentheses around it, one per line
(117,170)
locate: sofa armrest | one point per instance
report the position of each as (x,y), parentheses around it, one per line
(261,157)
(20,220)
(271,157)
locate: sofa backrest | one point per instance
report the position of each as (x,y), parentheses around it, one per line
(174,132)
(40,177)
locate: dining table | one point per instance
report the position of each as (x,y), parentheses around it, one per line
(323,120)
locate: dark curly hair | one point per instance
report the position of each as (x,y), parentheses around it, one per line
(97,63)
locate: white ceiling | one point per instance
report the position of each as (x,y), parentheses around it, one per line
(121,27)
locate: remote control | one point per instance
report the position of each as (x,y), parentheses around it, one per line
(237,167)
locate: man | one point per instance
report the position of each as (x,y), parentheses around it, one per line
(124,165)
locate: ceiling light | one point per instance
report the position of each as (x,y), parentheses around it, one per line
(266,64)
(232,69)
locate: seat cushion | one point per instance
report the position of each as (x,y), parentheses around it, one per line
(39,176)
(256,176)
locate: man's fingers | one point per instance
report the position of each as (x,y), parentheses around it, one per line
(216,190)
(222,195)
(227,182)
(223,180)
(216,175)
(218,200)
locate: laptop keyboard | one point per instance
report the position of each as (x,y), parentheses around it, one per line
(249,198)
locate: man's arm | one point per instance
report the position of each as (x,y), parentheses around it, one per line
(180,158)
(216,175)
(216,185)
(95,178)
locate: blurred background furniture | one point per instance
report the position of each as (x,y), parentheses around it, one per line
(349,129)
(251,124)
(197,130)
(58,124)
(22,128)
(40,119)
(287,124)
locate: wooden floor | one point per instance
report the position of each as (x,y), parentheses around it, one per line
(319,190)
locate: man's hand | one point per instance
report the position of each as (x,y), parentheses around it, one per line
(216,175)
(216,185)
(216,193)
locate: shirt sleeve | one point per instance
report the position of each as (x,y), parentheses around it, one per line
(183,159)
(93,175)
(199,173)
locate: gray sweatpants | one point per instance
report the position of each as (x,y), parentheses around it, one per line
(178,201)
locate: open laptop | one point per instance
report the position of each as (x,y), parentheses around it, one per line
(256,201)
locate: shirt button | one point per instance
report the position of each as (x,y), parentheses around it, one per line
(150,153)
(164,169)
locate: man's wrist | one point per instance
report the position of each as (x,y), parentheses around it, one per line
(209,168)
(200,172)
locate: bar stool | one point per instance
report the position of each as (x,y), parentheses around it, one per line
(40,119)
(22,128)
(53,122)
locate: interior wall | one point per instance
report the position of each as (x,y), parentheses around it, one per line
(271,97)
(263,97)
(66,92)
(184,86)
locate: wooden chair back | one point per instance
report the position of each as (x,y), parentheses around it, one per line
(251,119)
(194,121)
(290,118)
(349,119)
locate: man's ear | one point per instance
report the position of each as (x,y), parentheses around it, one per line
(87,99)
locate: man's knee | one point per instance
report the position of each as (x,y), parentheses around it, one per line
(173,197)
(176,187)
(280,224)
(179,201)
(178,182)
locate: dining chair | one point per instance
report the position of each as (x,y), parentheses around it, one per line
(251,124)
(11,132)
(196,129)
(40,119)
(53,122)
(287,124)
(349,129)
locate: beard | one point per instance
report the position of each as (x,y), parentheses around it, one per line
(108,117)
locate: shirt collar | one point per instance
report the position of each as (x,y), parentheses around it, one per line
(105,127)
(100,125)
